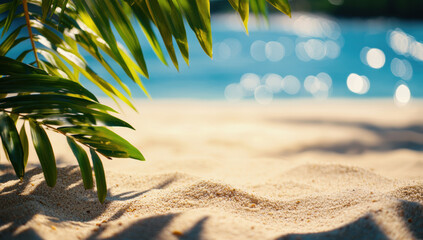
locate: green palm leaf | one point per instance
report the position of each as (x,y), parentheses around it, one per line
(100,178)
(12,144)
(144,20)
(11,41)
(197,14)
(9,67)
(281,5)
(41,84)
(89,24)
(104,141)
(45,153)
(84,164)
(11,6)
(64,107)
(51,100)
(24,141)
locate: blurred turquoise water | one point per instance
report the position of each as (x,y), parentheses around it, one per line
(322,57)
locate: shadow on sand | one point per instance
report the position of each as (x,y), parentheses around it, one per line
(52,202)
(70,191)
(367,228)
(412,214)
(362,228)
(153,227)
(389,138)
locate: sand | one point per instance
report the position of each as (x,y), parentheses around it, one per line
(295,169)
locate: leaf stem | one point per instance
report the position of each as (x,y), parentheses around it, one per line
(31,37)
(57,131)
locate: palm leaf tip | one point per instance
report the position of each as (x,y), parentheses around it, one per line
(83,163)
(10,66)
(104,141)
(45,153)
(100,178)
(12,144)
(25,146)
(281,5)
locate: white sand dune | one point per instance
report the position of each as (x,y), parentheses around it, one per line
(292,170)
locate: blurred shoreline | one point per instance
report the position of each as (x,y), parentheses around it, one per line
(306,56)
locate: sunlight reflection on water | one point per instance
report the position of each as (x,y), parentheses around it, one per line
(257,50)
(402,95)
(273,82)
(291,85)
(402,68)
(375,58)
(249,83)
(308,56)
(274,51)
(405,44)
(320,39)
(358,84)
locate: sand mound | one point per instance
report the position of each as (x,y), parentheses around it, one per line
(173,205)
(327,176)
(410,193)
(314,179)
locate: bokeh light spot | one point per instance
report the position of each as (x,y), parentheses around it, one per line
(332,49)
(273,82)
(311,84)
(257,50)
(301,53)
(358,84)
(318,85)
(291,85)
(375,58)
(402,95)
(235,46)
(325,78)
(223,50)
(363,55)
(416,50)
(263,95)
(274,51)
(249,82)
(399,41)
(233,92)
(315,49)
(402,68)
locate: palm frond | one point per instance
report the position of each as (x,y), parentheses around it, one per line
(63,106)
(61,26)
(56,31)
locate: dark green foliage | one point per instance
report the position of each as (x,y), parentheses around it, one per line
(84,163)
(103,141)
(60,105)
(100,178)
(12,144)
(45,153)
(24,142)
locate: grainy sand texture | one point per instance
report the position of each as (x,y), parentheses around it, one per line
(295,169)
